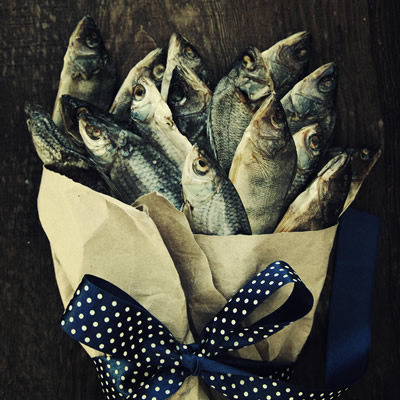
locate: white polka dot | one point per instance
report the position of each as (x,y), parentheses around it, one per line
(73,331)
(71,319)
(84,327)
(81,316)
(99,296)
(86,287)
(87,340)
(103,308)
(92,312)
(98,335)
(89,300)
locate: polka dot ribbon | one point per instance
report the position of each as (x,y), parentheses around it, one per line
(144,361)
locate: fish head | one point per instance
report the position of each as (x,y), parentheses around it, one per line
(308,141)
(362,161)
(201,176)
(292,53)
(70,106)
(335,179)
(86,50)
(315,92)
(98,137)
(251,75)
(269,130)
(182,52)
(145,100)
(51,144)
(187,94)
(152,67)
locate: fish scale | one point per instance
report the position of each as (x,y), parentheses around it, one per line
(143,170)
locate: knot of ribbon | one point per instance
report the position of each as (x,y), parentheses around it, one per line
(144,361)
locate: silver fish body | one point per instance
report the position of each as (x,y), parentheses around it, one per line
(236,99)
(152,67)
(211,202)
(133,165)
(264,165)
(308,149)
(320,205)
(287,61)
(152,118)
(88,72)
(188,99)
(182,52)
(312,100)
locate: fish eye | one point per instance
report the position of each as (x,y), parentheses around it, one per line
(81,111)
(158,71)
(177,94)
(200,166)
(92,39)
(93,132)
(327,83)
(301,54)
(248,62)
(315,142)
(278,118)
(189,51)
(138,92)
(365,154)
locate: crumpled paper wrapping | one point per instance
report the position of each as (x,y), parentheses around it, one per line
(149,251)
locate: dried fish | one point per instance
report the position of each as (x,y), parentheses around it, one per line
(182,52)
(134,166)
(236,98)
(88,72)
(58,154)
(151,67)
(287,61)
(312,100)
(308,148)
(152,118)
(211,202)
(188,99)
(362,161)
(320,205)
(264,165)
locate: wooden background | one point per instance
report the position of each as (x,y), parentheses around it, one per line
(37,360)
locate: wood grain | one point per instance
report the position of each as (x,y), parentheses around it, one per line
(37,360)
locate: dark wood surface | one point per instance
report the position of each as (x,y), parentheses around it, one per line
(37,360)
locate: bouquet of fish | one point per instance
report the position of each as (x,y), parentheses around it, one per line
(250,158)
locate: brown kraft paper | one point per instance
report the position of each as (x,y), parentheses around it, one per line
(150,252)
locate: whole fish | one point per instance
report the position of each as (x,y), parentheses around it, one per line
(264,165)
(313,100)
(211,202)
(320,205)
(88,72)
(57,153)
(133,165)
(182,52)
(236,99)
(308,149)
(188,99)
(362,161)
(152,118)
(287,61)
(152,67)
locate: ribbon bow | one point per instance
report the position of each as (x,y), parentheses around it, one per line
(145,361)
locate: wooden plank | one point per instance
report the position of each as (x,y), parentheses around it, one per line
(38,360)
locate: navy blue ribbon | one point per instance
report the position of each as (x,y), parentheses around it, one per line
(144,361)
